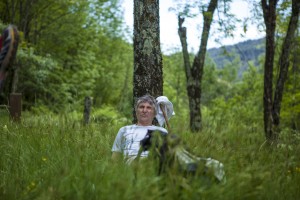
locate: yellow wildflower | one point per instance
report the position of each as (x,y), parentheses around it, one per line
(44,159)
(31,186)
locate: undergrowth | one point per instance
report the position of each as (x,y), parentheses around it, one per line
(56,157)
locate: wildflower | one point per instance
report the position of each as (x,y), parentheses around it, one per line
(31,186)
(44,159)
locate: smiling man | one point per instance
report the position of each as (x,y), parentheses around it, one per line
(127,142)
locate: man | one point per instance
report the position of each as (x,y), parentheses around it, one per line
(128,139)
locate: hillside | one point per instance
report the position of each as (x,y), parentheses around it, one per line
(247,51)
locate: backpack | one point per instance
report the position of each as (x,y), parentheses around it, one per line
(171,153)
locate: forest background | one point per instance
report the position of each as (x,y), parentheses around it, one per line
(72,49)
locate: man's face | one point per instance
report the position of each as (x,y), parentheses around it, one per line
(145,114)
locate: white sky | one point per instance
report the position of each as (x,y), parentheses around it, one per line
(168,27)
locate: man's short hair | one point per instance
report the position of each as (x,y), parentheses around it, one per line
(146,99)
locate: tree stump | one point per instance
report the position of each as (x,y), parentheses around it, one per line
(87,110)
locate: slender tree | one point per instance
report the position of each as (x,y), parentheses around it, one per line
(269,14)
(284,60)
(194,73)
(272,106)
(147,77)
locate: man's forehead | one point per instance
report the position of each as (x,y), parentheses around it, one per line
(145,104)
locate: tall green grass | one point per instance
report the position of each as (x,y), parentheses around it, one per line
(56,157)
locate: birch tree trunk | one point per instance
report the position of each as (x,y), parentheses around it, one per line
(148,73)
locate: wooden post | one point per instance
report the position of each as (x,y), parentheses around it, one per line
(87,110)
(15,106)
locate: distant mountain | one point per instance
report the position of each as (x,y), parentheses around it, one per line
(249,50)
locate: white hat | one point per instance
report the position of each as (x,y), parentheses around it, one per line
(168,108)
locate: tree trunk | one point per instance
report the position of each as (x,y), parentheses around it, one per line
(194,74)
(272,108)
(269,12)
(295,82)
(148,74)
(284,62)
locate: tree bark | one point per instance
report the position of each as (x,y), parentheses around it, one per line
(148,73)
(269,13)
(272,107)
(284,61)
(295,82)
(194,74)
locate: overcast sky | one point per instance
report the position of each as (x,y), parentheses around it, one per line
(168,27)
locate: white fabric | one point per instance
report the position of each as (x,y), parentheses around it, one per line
(128,140)
(217,167)
(168,108)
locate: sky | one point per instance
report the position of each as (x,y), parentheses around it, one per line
(169,38)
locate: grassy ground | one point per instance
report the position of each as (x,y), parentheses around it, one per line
(56,157)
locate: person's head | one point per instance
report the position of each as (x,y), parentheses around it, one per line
(145,109)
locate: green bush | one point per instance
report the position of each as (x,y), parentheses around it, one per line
(108,114)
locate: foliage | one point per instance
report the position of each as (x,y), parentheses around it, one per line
(40,80)
(72,50)
(108,114)
(174,80)
(291,99)
(224,24)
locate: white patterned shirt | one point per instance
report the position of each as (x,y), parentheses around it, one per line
(128,140)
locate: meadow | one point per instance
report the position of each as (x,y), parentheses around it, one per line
(57,157)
